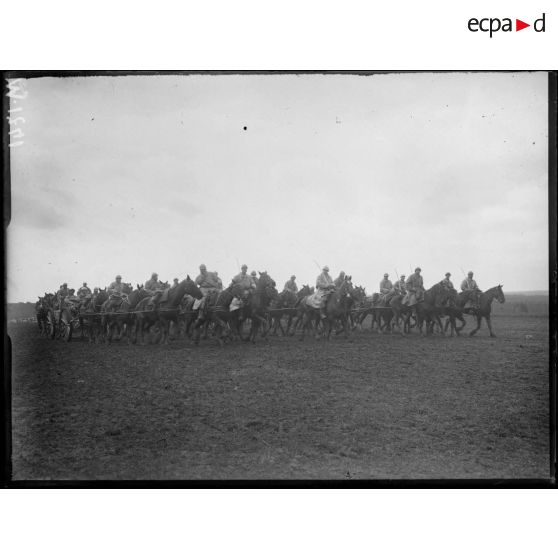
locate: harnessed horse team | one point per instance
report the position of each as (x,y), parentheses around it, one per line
(191,307)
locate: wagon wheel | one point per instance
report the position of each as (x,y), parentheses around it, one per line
(66,326)
(50,327)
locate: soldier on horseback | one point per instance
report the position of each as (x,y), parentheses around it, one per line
(415,289)
(153,285)
(84,291)
(116,293)
(399,286)
(469,285)
(244,280)
(61,294)
(324,287)
(290,285)
(339,281)
(254,278)
(386,289)
(209,284)
(446,282)
(154,288)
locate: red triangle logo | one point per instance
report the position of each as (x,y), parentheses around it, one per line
(519,25)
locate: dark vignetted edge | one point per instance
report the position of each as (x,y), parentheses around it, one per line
(552,258)
(6,440)
(385,483)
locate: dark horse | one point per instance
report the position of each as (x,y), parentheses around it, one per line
(283,305)
(338,306)
(256,307)
(485,307)
(217,311)
(148,313)
(90,318)
(122,319)
(428,310)
(41,312)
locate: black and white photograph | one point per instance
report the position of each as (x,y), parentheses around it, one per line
(278,276)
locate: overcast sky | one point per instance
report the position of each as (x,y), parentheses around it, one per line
(368,175)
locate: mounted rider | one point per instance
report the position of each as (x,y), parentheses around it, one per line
(415,289)
(446,281)
(209,284)
(116,293)
(399,287)
(154,288)
(84,291)
(291,286)
(61,294)
(469,285)
(244,280)
(339,280)
(254,279)
(324,287)
(386,289)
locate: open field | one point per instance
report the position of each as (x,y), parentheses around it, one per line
(375,407)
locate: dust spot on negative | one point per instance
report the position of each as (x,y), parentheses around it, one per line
(245,128)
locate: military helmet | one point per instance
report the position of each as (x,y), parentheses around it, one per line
(119,277)
(325,268)
(244,266)
(418,269)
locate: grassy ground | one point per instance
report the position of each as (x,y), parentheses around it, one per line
(377,406)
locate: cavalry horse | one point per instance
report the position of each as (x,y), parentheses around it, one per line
(89,316)
(217,311)
(428,310)
(284,305)
(485,307)
(122,319)
(256,307)
(338,306)
(148,313)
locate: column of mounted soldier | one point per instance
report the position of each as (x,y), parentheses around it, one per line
(334,302)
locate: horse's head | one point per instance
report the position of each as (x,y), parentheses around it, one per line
(500,294)
(190,287)
(127,288)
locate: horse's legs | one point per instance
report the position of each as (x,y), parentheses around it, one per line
(479,319)
(489,324)
(439,323)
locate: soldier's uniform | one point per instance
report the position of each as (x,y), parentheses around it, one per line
(386,289)
(116,288)
(415,289)
(399,287)
(290,285)
(244,280)
(324,285)
(254,279)
(153,285)
(62,293)
(339,281)
(470,285)
(209,283)
(84,291)
(446,282)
